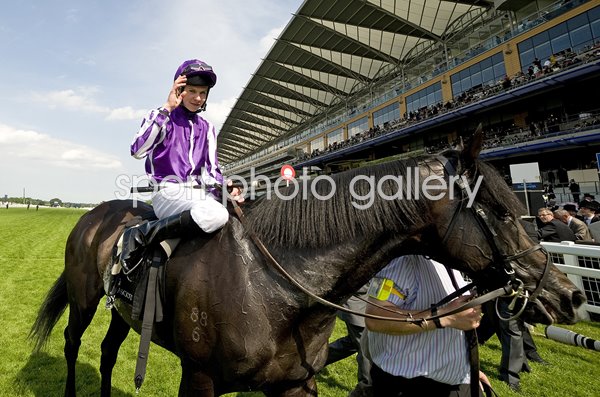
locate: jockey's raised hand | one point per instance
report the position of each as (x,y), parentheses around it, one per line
(176,94)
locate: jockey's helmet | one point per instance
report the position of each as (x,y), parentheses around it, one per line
(197,72)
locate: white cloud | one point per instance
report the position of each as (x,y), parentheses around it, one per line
(240,36)
(35,146)
(82,100)
(68,99)
(106,80)
(267,41)
(126,113)
(217,112)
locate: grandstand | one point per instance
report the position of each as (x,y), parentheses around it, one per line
(352,81)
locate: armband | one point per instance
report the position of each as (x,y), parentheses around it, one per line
(436,321)
(382,288)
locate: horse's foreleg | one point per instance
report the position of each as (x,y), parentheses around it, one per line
(79,319)
(306,389)
(195,382)
(116,334)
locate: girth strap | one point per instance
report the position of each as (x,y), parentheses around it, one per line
(148,321)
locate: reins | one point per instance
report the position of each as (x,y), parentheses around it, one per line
(267,254)
(504,291)
(502,261)
(514,288)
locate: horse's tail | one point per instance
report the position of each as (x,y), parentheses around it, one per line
(53,307)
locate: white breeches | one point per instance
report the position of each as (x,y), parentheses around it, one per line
(206,211)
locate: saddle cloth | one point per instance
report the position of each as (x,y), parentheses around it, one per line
(132,282)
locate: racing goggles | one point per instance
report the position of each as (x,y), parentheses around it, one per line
(196,67)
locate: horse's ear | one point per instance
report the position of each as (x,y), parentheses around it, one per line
(471,151)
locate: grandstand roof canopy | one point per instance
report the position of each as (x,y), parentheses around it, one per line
(329,51)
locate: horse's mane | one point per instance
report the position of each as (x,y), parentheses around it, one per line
(306,221)
(496,193)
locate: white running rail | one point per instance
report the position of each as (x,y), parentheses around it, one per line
(581,263)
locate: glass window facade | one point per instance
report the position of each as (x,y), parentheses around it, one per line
(388,113)
(594,17)
(335,136)
(317,144)
(426,97)
(358,126)
(304,148)
(574,34)
(490,70)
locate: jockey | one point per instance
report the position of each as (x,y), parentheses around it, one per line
(180,148)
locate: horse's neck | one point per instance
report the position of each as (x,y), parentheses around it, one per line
(349,207)
(337,272)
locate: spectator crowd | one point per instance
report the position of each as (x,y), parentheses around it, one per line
(498,136)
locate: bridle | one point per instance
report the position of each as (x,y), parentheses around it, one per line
(501,262)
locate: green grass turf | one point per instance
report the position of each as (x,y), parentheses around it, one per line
(31,258)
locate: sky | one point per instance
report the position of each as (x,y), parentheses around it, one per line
(77,77)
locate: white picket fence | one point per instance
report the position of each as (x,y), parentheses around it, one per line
(581,263)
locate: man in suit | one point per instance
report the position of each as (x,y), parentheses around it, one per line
(595,231)
(587,211)
(351,343)
(577,226)
(530,229)
(574,188)
(552,230)
(571,209)
(518,347)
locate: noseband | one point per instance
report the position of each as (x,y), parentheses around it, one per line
(501,263)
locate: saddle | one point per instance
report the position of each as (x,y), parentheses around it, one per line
(131,280)
(141,285)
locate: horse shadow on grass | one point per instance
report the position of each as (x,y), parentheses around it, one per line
(45,375)
(323,378)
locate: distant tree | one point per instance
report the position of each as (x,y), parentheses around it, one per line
(55,202)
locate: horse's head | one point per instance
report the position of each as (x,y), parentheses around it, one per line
(478,224)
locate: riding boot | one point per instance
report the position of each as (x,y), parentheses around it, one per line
(136,239)
(111,284)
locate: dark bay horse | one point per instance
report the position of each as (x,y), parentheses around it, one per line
(237,324)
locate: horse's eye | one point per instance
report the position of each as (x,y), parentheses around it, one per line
(507,217)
